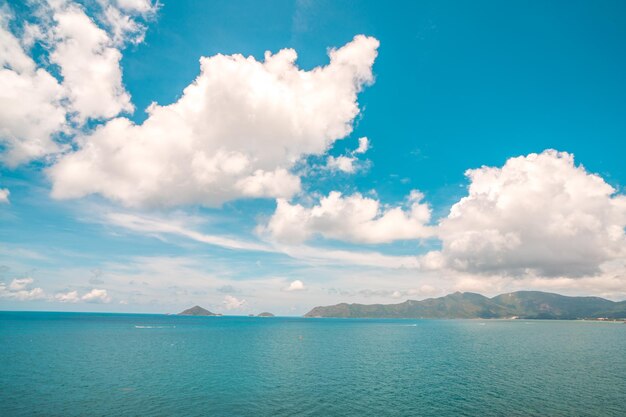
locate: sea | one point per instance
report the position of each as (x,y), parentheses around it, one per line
(78,364)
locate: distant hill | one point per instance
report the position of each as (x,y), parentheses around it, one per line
(197,311)
(543,305)
(266,314)
(467,305)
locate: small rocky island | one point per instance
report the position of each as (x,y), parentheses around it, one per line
(266,314)
(197,311)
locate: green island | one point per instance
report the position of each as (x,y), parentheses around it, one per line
(467,305)
(197,311)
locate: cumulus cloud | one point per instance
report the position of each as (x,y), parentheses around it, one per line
(233,303)
(296,285)
(348,163)
(341,163)
(96,296)
(140,6)
(122,26)
(84,55)
(432,261)
(89,64)
(29,295)
(352,218)
(4,195)
(21,289)
(31,107)
(364,145)
(67,297)
(236,132)
(538,214)
(20,284)
(93,296)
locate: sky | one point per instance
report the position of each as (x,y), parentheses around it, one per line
(274,156)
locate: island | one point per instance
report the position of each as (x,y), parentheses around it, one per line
(197,311)
(467,305)
(266,314)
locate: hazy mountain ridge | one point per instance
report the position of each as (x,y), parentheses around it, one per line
(522,304)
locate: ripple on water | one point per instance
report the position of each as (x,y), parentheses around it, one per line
(103,365)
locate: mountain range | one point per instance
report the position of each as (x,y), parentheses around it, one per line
(467,305)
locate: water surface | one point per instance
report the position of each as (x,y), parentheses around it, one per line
(75,364)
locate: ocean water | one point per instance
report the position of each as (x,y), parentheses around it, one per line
(71,364)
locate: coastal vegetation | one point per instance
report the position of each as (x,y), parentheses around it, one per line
(467,305)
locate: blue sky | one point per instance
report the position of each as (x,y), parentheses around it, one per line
(437,88)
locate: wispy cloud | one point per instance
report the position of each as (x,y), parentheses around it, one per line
(337,256)
(156,226)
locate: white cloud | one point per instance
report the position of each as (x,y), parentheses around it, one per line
(349,257)
(20,284)
(537,215)
(4,195)
(68,297)
(122,25)
(233,303)
(236,132)
(269,184)
(20,289)
(159,227)
(34,105)
(610,282)
(364,145)
(348,163)
(89,63)
(96,296)
(30,102)
(139,6)
(432,261)
(296,285)
(341,163)
(155,226)
(29,295)
(353,218)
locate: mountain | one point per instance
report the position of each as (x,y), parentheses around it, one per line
(467,305)
(266,314)
(197,311)
(543,305)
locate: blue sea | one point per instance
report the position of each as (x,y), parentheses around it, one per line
(76,364)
